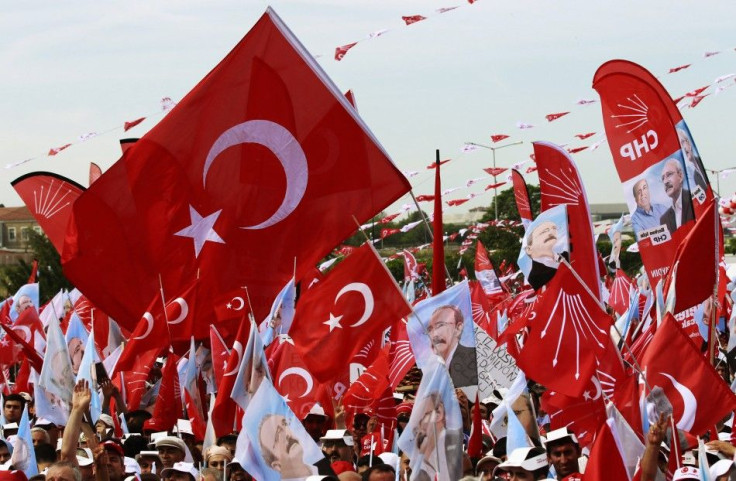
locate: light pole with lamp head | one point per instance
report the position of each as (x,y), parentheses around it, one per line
(494,149)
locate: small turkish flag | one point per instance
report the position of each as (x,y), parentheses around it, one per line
(456,202)
(334,320)
(224,411)
(677,69)
(220,354)
(699,396)
(495,171)
(180,312)
(341,51)
(129,125)
(413,19)
(584,136)
(425,198)
(568,330)
(551,117)
(498,137)
(151,335)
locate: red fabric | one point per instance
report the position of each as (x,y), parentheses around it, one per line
(356,301)
(401,356)
(498,137)
(694,268)
(560,184)
(199,425)
(366,391)
(21,379)
(521,195)
(253,205)
(94,172)
(180,312)
(483,315)
(605,461)
(619,293)
(583,416)
(672,358)
(568,331)
(224,410)
(150,338)
(475,443)
(495,171)
(220,354)
(413,19)
(551,117)
(167,408)
(129,125)
(49,197)
(438,243)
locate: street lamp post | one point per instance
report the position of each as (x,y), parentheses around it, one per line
(718,177)
(494,149)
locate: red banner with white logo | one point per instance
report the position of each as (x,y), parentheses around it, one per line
(663,177)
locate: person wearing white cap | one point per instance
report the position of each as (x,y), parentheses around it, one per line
(563,452)
(723,470)
(337,445)
(314,422)
(525,464)
(180,472)
(171,450)
(148,461)
(686,472)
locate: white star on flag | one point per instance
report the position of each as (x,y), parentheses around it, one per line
(333,322)
(201,230)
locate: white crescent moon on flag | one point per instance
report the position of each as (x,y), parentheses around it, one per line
(691,404)
(242,303)
(238,348)
(26,332)
(533,315)
(301,372)
(598,390)
(184,310)
(365,291)
(149,319)
(284,146)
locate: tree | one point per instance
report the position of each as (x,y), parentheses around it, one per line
(50,275)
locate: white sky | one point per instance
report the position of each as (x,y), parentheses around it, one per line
(69,68)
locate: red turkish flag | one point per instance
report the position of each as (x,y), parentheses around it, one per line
(357,300)
(388,232)
(677,69)
(425,198)
(498,137)
(292,379)
(585,136)
(551,117)
(166,410)
(699,396)
(49,197)
(568,330)
(455,202)
(694,268)
(495,171)
(129,125)
(150,338)
(494,186)
(341,51)
(55,150)
(220,354)
(619,292)
(413,19)
(224,411)
(251,155)
(180,313)
(575,150)
(389,218)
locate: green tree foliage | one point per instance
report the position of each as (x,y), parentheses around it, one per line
(50,276)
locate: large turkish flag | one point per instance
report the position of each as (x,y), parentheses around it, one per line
(263,164)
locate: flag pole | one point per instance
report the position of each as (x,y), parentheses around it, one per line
(712,337)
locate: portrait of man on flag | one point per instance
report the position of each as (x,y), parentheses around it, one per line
(696,178)
(659,200)
(545,244)
(276,446)
(433,438)
(443,325)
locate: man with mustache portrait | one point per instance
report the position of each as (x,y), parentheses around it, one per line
(681,210)
(539,246)
(445,329)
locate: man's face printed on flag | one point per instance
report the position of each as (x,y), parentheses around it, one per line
(281,448)
(542,240)
(431,424)
(445,328)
